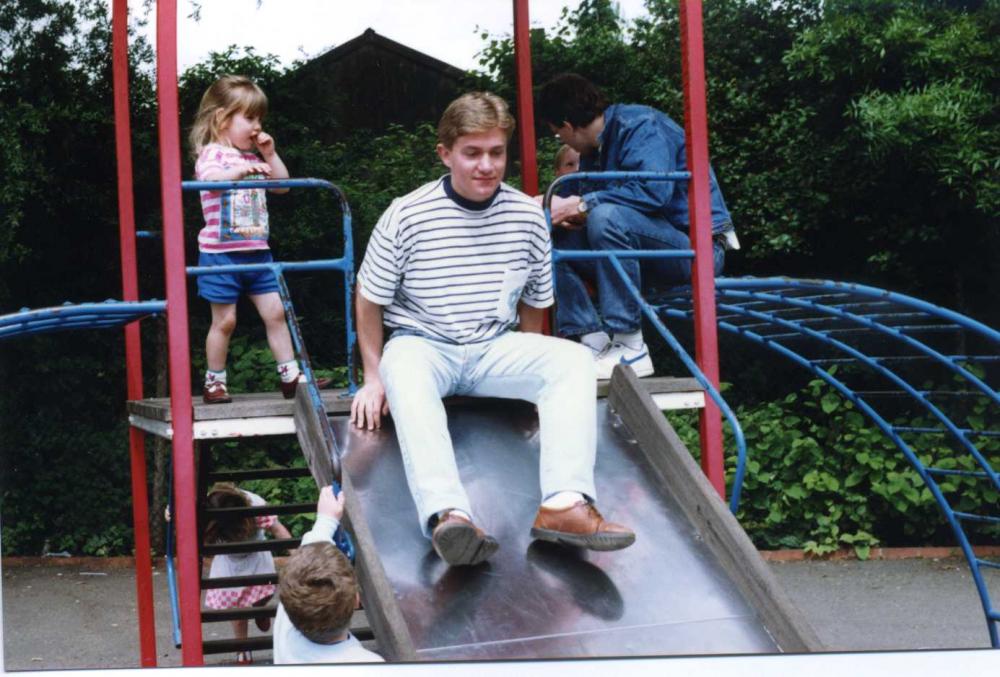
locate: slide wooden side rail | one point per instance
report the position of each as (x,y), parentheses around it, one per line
(681,477)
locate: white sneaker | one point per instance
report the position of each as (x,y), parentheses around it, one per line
(619,353)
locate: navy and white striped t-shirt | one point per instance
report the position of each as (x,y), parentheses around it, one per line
(455,269)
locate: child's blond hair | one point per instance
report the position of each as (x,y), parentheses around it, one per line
(318,591)
(473,113)
(561,155)
(227,96)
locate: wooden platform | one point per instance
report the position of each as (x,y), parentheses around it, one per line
(257,414)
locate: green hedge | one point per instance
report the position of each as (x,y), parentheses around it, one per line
(821,476)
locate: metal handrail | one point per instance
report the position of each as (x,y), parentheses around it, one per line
(613,257)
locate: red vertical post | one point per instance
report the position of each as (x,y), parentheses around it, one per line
(699,205)
(133,338)
(178,343)
(525,103)
(526,111)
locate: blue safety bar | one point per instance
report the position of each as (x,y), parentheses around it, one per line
(614,256)
(345,264)
(806,321)
(70,316)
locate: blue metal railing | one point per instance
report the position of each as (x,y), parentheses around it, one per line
(613,257)
(71,316)
(345,264)
(773,302)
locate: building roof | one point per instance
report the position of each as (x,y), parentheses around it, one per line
(370,37)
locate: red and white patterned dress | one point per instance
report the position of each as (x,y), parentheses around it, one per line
(243,565)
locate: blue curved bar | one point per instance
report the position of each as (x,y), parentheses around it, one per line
(77,316)
(756,300)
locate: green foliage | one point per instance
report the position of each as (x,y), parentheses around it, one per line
(821,476)
(871,124)
(853,139)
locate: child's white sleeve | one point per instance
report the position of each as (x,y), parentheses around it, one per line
(322,530)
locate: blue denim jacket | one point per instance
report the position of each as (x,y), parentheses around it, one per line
(642,139)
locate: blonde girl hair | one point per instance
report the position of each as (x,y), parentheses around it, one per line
(561,155)
(473,113)
(227,96)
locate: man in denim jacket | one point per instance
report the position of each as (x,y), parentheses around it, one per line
(620,215)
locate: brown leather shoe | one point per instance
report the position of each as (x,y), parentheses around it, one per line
(215,393)
(580,525)
(458,541)
(288,389)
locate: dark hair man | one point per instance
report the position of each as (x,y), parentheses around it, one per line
(621,215)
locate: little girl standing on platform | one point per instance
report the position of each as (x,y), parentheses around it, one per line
(231,529)
(230,145)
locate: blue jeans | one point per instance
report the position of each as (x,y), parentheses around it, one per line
(611,226)
(556,375)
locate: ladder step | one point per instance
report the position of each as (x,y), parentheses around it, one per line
(238,476)
(359,628)
(275,509)
(259,643)
(238,581)
(238,613)
(250,546)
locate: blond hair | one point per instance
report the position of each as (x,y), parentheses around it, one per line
(561,155)
(473,113)
(318,591)
(227,96)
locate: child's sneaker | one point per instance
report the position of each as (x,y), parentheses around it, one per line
(215,393)
(244,658)
(619,353)
(288,389)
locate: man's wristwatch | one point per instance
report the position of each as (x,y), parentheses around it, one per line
(581,206)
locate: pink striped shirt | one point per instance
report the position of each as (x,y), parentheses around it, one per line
(235,220)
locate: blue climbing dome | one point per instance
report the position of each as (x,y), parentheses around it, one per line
(886,346)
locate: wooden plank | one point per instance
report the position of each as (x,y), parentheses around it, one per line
(238,581)
(315,437)
(216,646)
(251,405)
(657,384)
(702,505)
(379,598)
(237,476)
(272,545)
(270,509)
(237,613)
(244,405)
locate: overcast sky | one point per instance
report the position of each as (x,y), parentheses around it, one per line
(295,29)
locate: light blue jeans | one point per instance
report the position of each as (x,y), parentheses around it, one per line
(555,374)
(611,226)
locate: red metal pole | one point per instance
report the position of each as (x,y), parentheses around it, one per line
(133,338)
(178,346)
(699,205)
(525,103)
(526,111)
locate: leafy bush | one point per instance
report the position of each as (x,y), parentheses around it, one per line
(821,476)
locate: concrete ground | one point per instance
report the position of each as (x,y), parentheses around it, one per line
(82,616)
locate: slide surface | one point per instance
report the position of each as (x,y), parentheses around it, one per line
(665,595)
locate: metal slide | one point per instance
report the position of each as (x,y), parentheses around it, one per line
(691,584)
